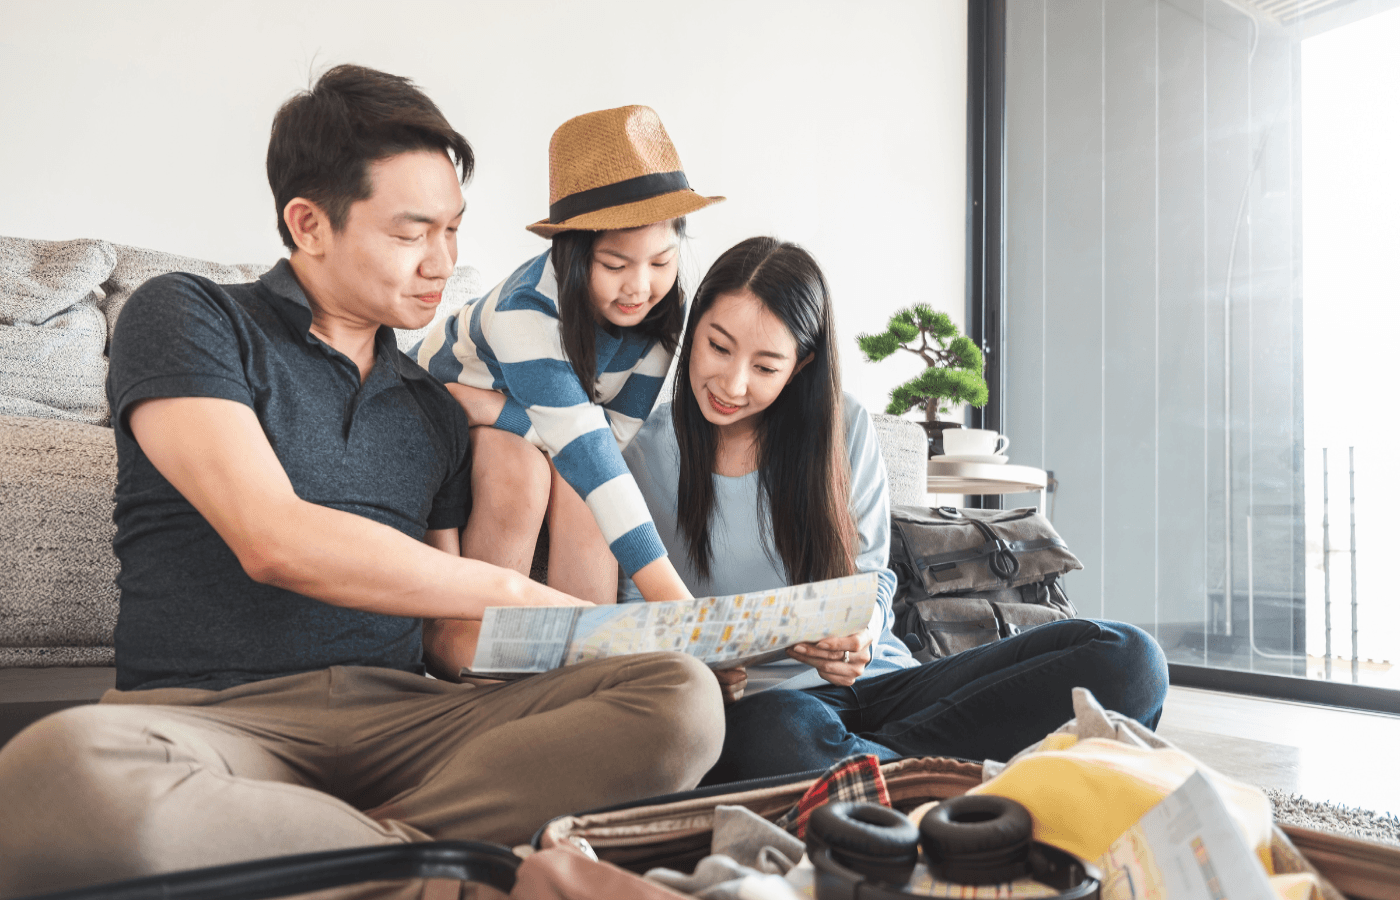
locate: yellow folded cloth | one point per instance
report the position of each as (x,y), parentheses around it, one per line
(1083,794)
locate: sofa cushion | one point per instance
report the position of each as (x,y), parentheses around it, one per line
(135,266)
(904,446)
(58,593)
(52,331)
(40,279)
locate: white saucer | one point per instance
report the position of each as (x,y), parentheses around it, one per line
(990,459)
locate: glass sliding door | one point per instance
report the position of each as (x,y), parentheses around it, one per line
(1158,344)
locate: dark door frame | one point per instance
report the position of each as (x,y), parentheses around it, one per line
(986,116)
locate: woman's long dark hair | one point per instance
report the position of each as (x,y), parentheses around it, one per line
(803,468)
(572,256)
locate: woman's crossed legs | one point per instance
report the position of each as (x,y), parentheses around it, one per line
(986,703)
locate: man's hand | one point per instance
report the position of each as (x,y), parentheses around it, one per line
(838,660)
(732,683)
(482,406)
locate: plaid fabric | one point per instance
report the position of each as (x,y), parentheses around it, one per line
(855,778)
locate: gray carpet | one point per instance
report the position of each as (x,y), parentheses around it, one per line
(1291,809)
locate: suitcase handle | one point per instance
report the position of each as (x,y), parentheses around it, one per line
(282,876)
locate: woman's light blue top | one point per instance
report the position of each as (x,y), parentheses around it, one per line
(742,552)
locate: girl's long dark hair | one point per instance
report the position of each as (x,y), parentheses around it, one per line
(572,256)
(803,468)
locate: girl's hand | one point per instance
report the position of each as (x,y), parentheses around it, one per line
(659,581)
(732,683)
(483,407)
(838,660)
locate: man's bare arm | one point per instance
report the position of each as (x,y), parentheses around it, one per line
(216,455)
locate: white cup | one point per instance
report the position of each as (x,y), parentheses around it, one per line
(974,442)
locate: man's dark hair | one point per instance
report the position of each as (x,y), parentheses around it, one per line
(324,139)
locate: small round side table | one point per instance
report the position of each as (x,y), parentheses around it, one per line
(956,477)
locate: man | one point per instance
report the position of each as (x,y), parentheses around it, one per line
(289,492)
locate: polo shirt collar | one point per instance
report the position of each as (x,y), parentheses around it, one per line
(281,280)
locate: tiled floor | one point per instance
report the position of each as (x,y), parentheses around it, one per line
(1324,754)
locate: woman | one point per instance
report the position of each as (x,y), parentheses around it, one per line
(760,473)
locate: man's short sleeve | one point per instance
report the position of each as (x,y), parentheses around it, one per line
(175,338)
(453,501)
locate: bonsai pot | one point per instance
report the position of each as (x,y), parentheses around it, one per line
(934,430)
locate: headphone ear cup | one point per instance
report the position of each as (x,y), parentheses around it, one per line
(977,839)
(875,841)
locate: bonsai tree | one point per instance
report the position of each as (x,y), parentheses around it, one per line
(954,373)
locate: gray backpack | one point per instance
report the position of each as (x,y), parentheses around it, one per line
(969,577)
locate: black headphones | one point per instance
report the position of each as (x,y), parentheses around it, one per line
(864,851)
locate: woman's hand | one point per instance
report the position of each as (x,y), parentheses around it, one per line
(838,660)
(732,683)
(483,407)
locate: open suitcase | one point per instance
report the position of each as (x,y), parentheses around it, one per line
(672,831)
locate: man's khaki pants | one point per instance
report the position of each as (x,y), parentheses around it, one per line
(176,778)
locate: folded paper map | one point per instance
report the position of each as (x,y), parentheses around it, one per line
(723,632)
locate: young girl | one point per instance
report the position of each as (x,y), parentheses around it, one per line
(761,473)
(567,355)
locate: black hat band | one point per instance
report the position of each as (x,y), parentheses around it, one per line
(643,187)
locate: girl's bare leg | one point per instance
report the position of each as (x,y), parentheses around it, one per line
(510,492)
(580,561)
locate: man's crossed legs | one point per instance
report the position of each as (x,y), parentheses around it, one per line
(159,780)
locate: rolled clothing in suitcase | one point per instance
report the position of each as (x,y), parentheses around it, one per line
(675,831)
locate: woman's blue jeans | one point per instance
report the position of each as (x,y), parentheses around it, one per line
(989,702)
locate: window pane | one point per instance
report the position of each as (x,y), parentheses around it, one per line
(1156,354)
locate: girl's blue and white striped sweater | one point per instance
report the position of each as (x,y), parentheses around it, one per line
(509,341)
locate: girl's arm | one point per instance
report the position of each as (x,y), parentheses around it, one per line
(514,333)
(548,406)
(658,580)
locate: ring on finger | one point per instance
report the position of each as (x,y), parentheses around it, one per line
(846,657)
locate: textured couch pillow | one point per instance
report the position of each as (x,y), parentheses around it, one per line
(58,593)
(52,332)
(135,266)
(904,446)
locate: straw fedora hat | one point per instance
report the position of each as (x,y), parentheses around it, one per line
(615,168)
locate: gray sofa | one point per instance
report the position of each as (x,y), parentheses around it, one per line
(58,597)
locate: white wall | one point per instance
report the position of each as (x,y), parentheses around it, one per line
(840,125)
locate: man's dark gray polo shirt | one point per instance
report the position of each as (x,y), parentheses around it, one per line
(394,449)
